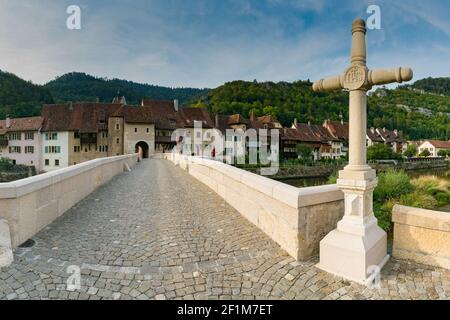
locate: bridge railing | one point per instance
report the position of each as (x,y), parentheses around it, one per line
(296,218)
(30,204)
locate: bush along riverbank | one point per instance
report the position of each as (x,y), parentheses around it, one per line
(395,187)
(12,172)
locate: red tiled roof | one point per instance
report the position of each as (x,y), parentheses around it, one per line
(374,136)
(187,116)
(21,124)
(440,144)
(134,114)
(237,119)
(83,117)
(338,130)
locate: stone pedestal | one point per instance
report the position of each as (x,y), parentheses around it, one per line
(357,243)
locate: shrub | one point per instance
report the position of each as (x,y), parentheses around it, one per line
(383,213)
(443,198)
(425,153)
(392,184)
(430,185)
(410,151)
(419,200)
(332,179)
(381,151)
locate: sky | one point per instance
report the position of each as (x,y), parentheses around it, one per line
(204,43)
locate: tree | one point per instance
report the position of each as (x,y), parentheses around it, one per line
(381,151)
(425,153)
(410,151)
(304,151)
(443,153)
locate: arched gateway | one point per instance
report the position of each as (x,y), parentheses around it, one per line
(142,148)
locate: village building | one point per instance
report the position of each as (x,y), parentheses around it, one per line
(195,126)
(319,138)
(393,139)
(339,130)
(164,114)
(20,141)
(434,146)
(77,132)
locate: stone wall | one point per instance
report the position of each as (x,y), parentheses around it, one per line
(30,204)
(422,236)
(296,218)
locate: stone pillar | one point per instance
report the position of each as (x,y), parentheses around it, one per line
(357,244)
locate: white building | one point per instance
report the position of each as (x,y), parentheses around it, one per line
(434,146)
(21,141)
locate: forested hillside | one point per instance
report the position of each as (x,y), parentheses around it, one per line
(20,98)
(420,110)
(418,115)
(433,85)
(83,87)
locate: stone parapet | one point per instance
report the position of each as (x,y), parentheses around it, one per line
(296,218)
(30,204)
(422,236)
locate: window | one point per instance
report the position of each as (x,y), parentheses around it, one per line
(56,162)
(198,134)
(29,135)
(148,130)
(15,149)
(76,148)
(29,149)
(52,149)
(51,136)
(104,134)
(47,162)
(76,135)
(117,126)
(135,129)
(15,136)
(117,140)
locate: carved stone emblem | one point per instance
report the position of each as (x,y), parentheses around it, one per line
(355,77)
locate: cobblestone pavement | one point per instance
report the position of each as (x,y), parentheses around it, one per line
(157,233)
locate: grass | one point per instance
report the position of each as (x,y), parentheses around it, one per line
(395,187)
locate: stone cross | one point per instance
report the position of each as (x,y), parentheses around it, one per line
(358,247)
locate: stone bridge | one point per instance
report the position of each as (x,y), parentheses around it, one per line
(156,232)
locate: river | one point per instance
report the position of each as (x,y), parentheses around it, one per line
(310,182)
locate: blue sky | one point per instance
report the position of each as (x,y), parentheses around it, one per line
(204,43)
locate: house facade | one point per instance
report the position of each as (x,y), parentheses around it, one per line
(434,146)
(77,132)
(21,140)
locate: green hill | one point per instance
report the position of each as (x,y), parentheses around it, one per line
(20,98)
(418,115)
(433,85)
(82,87)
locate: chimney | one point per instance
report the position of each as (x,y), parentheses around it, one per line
(341,117)
(70,106)
(295,122)
(372,129)
(252,115)
(217,121)
(309,122)
(396,132)
(97,100)
(8,121)
(175,104)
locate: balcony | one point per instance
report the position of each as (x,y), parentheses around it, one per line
(88,138)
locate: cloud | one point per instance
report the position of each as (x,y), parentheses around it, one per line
(205,43)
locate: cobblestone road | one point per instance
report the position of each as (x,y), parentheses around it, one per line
(157,233)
